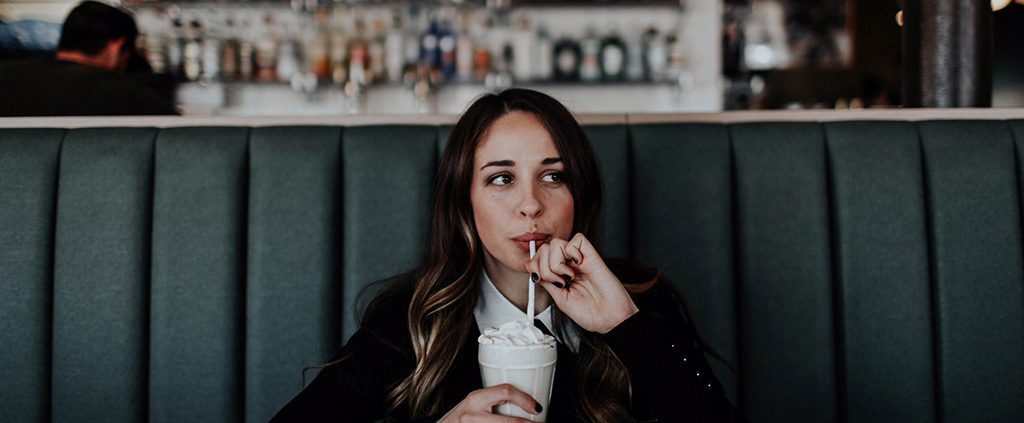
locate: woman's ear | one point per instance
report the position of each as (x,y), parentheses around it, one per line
(115,54)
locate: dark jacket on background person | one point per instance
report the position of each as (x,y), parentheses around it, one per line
(50,87)
(670,376)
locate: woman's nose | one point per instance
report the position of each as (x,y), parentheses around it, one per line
(530,205)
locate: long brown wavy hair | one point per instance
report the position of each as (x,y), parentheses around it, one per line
(445,286)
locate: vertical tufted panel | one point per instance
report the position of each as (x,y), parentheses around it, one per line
(611,146)
(683,223)
(976,259)
(785,289)
(1017,127)
(443,132)
(388,181)
(28,192)
(101,277)
(883,293)
(198,294)
(293,291)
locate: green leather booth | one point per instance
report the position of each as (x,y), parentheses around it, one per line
(852,271)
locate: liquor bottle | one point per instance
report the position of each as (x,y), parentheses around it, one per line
(338,50)
(246,52)
(266,52)
(732,49)
(613,58)
(175,45)
(192,51)
(655,55)
(415,26)
(501,77)
(287,60)
(446,49)
(394,48)
(523,47)
(229,66)
(463,49)
(543,67)
(567,60)
(429,51)
(676,64)
(483,58)
(481,62)
(211,45)
(211,60)
(375,52)
(590,57)
(358,54)
(154,33)
(319,57)
(289,53)
(155,51)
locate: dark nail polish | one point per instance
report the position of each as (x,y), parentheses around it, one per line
(567,279)
(534,277)
(539,408)
(560,286)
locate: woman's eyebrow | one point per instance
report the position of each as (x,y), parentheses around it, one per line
(499,163)
(510,163)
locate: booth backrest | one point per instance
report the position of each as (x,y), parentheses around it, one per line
(862,271)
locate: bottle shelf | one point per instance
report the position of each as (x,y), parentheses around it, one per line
(265,99)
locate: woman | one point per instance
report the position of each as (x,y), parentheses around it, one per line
(518,168)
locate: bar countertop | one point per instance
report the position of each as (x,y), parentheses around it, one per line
(586,119)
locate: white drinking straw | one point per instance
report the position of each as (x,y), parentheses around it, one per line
(529,302)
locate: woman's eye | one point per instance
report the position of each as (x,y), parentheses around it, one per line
(554,177)
(502,179)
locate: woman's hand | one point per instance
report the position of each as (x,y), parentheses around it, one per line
(479,405)
(581,284)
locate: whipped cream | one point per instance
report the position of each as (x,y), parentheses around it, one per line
(519,332)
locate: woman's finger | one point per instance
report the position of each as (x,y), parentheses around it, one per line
(574,254)
(582,245)
(555,288)
(557,261)
(487,398)
(543,259)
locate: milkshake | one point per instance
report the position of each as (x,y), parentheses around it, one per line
(519,354)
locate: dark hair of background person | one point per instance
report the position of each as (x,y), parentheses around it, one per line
(91,25)
(445,287)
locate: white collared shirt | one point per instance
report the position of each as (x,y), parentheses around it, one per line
(493,309)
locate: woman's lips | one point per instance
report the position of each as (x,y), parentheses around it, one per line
(523,241)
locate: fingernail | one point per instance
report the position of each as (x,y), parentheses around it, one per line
(574,260)
(539,408)
(534,277)
(567,279)
(560,286)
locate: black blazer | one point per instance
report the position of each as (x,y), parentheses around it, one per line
(669,373)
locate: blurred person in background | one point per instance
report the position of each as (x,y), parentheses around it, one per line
(86,76)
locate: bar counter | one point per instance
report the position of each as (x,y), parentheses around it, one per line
(585,119)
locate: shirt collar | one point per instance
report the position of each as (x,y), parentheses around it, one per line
(493,309)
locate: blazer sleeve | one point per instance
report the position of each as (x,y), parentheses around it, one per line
(669,374)
(354,388)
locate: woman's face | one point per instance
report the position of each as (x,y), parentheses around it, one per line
(518,192)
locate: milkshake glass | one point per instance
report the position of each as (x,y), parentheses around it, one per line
(519,354)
